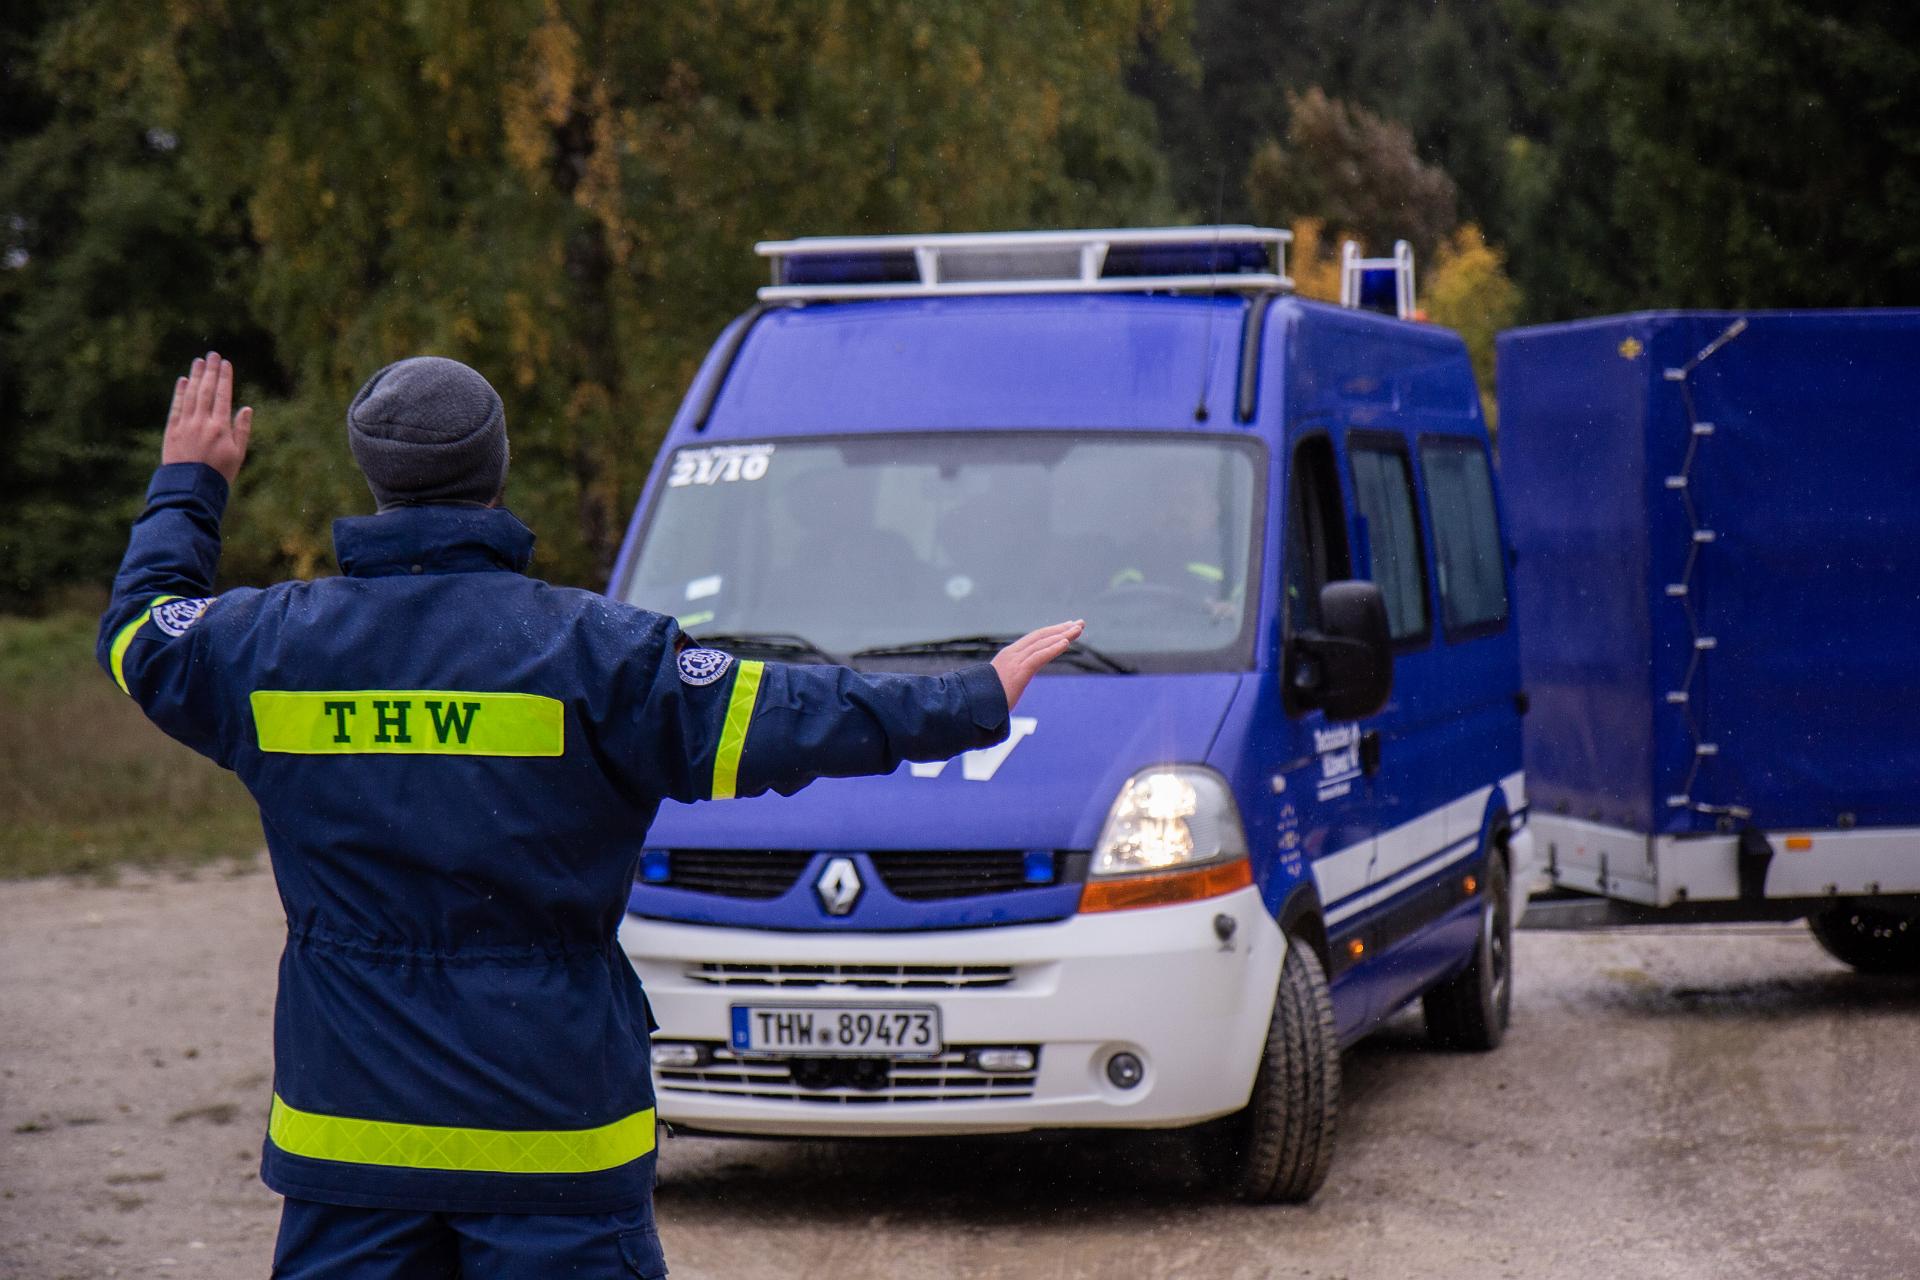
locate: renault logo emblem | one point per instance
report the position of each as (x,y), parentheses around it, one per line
(838,886)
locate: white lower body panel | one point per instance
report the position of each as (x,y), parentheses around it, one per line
(1366,874)
(1660,871)
(1157,982)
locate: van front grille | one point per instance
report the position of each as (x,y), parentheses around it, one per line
(736,873)
(922,875)
(917,875)
(890,977)
(949,1077)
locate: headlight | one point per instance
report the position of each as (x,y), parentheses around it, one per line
(1169,817)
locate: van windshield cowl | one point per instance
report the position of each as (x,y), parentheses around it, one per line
(894,551)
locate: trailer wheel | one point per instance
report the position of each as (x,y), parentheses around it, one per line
(1869,939)
(1471,1009)
(1279,1146)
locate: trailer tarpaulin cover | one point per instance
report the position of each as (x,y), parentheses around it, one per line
(1719,602)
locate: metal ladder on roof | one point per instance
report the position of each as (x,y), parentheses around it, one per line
(1364,282)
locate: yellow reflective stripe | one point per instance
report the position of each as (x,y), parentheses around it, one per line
(432,1146)
(453,722)
(733,734)
(117,655)
(1211,572)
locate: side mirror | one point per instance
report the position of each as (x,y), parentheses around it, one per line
(1345,669)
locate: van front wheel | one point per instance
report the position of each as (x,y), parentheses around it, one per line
(1470,1010)
(1279,1146)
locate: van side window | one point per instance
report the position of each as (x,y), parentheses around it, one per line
(1316,532)
(1383,490)
(1466,535)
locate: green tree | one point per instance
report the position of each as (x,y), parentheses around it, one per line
(562,193)
(1446,70)
(1726,153)
(101,240)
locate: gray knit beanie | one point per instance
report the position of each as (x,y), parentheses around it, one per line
(429,430)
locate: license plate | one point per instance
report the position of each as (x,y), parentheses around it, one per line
(894,1031)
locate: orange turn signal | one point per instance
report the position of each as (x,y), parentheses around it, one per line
(1471,884)
(1799,844)
(1166,888)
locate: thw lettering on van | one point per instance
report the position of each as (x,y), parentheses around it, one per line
(981,765)
(1339,749)
(407,722)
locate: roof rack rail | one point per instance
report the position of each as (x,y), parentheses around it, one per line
(1378,284)
(1237,259)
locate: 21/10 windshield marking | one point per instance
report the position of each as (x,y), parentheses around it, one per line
(720,464)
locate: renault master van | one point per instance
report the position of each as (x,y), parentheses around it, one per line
(1271,799)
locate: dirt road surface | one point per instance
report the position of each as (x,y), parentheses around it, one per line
(1671,1103)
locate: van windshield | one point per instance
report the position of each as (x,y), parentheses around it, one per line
(859,543)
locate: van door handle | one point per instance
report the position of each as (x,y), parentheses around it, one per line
(1370,752)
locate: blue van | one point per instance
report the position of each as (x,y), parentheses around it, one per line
(1272,798)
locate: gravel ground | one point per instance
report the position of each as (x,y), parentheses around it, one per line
(1671,1103)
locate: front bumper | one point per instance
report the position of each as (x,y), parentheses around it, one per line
(1157,982)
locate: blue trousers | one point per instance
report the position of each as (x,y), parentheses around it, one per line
(334,1242)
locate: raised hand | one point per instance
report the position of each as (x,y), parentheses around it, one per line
(1020,661)
(201,425)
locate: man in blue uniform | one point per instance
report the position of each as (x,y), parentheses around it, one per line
(456,765)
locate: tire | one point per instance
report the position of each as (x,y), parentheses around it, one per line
(1277,1149)
(1470,1010)
(1869,939)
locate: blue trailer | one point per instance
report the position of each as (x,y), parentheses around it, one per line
(1717,519)
(1272,799)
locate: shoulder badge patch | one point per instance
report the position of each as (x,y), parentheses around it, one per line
(175,616)
(703,666)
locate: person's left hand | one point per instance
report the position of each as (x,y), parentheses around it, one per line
(201,425)
(1020,661)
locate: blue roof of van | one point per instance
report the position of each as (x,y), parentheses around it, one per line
(1129,361)
(1111,361)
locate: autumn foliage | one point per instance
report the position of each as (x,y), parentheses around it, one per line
(565,193)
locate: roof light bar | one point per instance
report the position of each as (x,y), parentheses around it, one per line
(1238,259)
(1378,284)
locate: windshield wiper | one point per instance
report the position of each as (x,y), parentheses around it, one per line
(1079,653)
(779,643)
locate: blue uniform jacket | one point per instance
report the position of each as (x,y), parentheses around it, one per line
(456,766)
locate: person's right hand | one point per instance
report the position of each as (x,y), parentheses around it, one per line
(201,425)
(1020,661)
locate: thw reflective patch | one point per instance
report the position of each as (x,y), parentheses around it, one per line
(428,1146)
(733,734)
(117,653)
(449,722)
